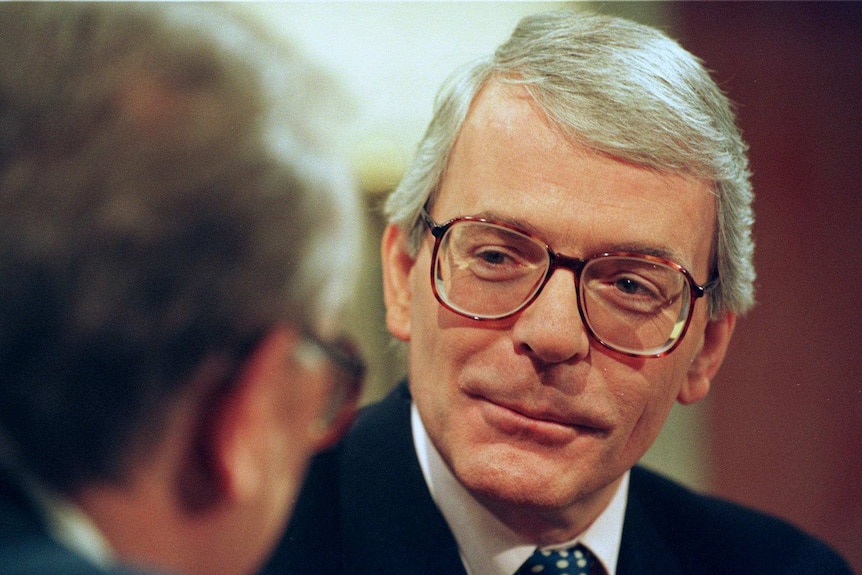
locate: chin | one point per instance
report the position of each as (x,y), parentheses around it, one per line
(525,481)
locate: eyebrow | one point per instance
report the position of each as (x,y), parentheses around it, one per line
(664,252)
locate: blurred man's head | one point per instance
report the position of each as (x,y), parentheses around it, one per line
(174,259)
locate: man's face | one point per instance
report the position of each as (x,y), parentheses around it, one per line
(534,417)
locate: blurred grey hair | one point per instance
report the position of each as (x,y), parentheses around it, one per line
(301,104)
(165,202)
(331,266)
(621,89)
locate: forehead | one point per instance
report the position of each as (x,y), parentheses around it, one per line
(511,163)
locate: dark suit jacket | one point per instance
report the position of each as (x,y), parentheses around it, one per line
(365,510)
(26,547)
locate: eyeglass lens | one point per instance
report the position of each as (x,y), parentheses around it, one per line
(487,271)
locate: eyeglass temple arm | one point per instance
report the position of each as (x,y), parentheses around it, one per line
(698,291)
(435,228)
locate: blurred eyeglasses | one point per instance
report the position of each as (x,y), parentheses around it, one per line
(636,304)
(344,372)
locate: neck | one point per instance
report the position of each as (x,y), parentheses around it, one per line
(163,515)
(146,527)
(140,527)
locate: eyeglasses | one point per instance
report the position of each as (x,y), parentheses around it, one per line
(636,304)
(344,371)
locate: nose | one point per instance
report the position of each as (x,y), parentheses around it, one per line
(551,329)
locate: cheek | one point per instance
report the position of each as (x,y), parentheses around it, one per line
(287,456)
(434,364)
(644,403)
(445,351)
(297,437)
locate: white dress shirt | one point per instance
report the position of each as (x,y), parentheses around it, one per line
(487,546)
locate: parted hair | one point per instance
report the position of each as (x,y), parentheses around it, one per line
(621,89)
(159,211)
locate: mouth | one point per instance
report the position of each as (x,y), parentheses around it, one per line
(543,428)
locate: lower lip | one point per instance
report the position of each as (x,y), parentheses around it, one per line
(516,425)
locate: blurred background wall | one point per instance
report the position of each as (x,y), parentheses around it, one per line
(782,428)
(786,419)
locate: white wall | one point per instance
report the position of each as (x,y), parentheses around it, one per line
(391,57)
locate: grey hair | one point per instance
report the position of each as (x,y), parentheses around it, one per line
(162,207)
(622,89)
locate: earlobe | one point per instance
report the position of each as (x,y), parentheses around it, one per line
(397,264)
(708,360)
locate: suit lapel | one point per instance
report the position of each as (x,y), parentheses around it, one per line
(643,548)
(404,532)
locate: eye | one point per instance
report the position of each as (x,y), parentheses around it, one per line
(490,253)
(493,256)
(628,292)
(630,286)
(497,263)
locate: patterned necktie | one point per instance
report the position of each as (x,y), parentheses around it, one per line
(575,561)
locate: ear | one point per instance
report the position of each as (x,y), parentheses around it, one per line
(705,364)
(397,264)
(244,423)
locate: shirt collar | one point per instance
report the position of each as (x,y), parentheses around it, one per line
(71,526)
(486,545)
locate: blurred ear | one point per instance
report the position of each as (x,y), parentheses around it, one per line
(705,364)
(237,436)
(397,263)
